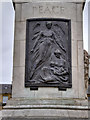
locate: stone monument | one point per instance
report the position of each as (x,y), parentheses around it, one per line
(48,70)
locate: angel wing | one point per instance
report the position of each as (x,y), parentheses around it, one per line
(59,32)
(60,28)
(36,25)
(36,30)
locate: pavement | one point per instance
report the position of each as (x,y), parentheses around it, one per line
(0,114)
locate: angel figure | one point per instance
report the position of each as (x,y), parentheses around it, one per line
(43,45)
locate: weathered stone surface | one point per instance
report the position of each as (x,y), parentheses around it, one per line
(22,53)
(25,118)
(19,53)
(16,53)
(47,107)
(47,103)
(81,70)
(48,1)
(74,54)
(74,30)
(75,81)
(82,91)
(22,107)
(20,30)
(18,83)
(79,12)
(46,113)
(18,8)
(80,54)
(77,31)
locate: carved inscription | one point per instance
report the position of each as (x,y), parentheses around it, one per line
(48,9)
(48,57)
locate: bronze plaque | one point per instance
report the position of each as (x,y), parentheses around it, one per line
(48,53)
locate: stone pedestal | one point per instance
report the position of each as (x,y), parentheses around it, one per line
(48,102)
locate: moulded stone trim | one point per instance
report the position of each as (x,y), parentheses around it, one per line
(22,1)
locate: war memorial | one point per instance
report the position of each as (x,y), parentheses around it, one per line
(48,70)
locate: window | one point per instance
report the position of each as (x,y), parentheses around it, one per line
(5,98)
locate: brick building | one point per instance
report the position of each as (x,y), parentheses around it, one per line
(5,94)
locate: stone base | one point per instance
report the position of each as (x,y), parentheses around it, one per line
(46,101)
(58,109)
(25,118)
(46,112)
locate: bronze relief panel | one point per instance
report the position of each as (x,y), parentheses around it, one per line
(48,53)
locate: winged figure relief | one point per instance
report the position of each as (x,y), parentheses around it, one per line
(48,64)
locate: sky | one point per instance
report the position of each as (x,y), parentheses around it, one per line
(7,15)
(89,28)
(6,41)
(86,26)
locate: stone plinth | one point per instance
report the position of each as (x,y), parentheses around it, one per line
(39,108)
(48,101)
(49,9)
